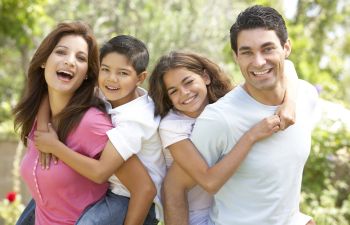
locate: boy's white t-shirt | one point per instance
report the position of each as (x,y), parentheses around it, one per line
(136,132)
(173,128)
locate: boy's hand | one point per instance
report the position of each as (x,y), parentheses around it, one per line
(45,159)
(46,142)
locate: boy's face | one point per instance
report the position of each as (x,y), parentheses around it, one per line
(118,79)
(261,59)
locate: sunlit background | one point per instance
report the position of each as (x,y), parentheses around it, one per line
(320,36)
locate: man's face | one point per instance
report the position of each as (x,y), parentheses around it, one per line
(261,59)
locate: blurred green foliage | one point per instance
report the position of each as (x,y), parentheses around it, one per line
(320,36)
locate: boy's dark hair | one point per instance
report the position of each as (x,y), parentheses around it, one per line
(258,17)
(134,49)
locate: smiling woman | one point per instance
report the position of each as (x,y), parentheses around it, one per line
(64,67)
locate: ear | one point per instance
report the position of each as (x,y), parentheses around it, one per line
(141,77)
(287,48)
(234,56)
(206,78)
(43,66)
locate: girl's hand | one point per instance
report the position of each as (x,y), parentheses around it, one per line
(265,128)
(46,141)
(286,112)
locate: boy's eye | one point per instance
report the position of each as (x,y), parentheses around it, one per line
(122,73)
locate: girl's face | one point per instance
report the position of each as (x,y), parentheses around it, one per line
(67,65)
(118,79)
(187,91)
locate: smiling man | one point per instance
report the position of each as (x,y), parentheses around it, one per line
(265,190)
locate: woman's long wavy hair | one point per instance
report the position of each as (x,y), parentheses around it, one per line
(219,82)
(36,87)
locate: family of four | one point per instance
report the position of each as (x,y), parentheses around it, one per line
(192,150)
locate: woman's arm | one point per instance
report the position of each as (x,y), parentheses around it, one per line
(287,110)
(211,179)
(142,190)
(97,170)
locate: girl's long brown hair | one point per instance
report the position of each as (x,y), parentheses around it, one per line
(36,87)
(220,83)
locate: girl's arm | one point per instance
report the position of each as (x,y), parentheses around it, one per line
(211,179)
(142,190)
(97,170)
(43,118)
(287,110)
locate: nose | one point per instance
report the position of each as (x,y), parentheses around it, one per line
(259,60)
(113,77)
(70,60)
(184,91)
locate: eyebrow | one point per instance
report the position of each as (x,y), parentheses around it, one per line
(63,46)
(182,81)
(246,48)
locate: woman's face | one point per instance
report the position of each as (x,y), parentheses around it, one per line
(67,65)
(187,91)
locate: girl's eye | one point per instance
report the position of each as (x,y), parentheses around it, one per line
(104,69)
(189,82)
(172,92)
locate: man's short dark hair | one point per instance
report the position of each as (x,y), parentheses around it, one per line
(258,17)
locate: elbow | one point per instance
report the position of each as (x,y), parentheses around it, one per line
(146,191)
(211,188)
(99,177)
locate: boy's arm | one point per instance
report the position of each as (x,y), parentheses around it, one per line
(211,179)
(97,170)
(175,187)
(287,110)
(43,118)
(142,190)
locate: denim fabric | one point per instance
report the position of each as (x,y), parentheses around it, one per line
(28,215)
(111,210)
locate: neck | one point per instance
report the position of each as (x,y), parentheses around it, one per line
(271,97)
(58,102)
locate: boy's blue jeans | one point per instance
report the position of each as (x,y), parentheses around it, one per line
(111,210)
(28,215)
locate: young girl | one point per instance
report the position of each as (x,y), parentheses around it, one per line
(65,68)
(123,67)
(182,84)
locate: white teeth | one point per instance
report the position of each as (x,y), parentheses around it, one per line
(189,100)
(260,72)
(65,72)
(111,88)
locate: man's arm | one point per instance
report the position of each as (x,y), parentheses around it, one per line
(175,186)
